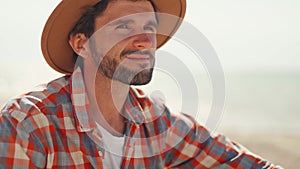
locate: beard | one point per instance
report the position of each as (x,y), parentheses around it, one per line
(112,68)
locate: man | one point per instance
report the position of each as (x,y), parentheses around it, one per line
(92,118)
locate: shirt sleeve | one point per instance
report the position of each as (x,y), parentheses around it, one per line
(19,148)
(199,149)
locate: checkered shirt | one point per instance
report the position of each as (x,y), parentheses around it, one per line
(51,128)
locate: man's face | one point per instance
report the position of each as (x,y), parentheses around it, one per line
(125,42)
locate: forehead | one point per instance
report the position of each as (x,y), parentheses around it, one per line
(122,8)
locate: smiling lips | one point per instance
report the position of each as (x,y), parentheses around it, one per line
(140,58)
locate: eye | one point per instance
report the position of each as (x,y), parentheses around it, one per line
(123,26)
(150,28)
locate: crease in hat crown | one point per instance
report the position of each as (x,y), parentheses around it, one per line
(54,42)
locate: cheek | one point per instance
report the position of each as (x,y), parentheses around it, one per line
(101,49)
(111,44)
(103,42)
(115,52)
(152,38)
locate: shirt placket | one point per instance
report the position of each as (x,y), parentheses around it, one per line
(96,137)
(129,146)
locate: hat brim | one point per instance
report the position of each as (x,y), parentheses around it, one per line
(54,43)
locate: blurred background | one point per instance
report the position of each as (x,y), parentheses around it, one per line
(257,43)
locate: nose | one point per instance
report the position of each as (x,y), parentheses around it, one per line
(144,41)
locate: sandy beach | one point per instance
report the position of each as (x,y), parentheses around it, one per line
(280,148)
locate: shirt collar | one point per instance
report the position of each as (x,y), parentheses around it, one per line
(139,108)
(80,101)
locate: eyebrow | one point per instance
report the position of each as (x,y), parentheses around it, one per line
(127,21)
(120,21)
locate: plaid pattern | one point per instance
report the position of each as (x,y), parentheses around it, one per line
(51,128)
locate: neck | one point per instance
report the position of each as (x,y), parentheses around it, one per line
(107,98)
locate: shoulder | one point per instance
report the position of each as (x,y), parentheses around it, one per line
(36,104)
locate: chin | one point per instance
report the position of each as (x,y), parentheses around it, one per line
(139,83)
(141,78)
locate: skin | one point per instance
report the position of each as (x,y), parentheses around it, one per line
(119,54)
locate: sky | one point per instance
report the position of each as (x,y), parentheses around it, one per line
(248,36)
(251,34)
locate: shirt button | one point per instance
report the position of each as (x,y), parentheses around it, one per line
(100,153)
(137,126)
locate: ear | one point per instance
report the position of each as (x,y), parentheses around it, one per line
(77,42)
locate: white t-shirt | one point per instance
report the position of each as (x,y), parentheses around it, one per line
(113,149)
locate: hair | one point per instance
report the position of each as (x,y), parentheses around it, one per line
(86,23)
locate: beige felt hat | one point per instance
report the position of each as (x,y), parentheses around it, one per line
(56,49)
